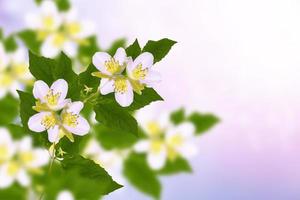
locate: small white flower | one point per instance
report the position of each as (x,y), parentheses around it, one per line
(58,126)
(140,70)
(111,161)
(7,147)
(25,159)
(53,98)
(112,80)
(65,195)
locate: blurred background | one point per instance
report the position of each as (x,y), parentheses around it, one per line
(235,58)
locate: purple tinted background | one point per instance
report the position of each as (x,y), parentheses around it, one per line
(236,58)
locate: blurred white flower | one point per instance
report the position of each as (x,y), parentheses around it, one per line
(165,141)
(140,70)
(14,71)
(7,147)
(110,160)
(57,125)
(59,31)
(112,80)
(65,195)
(25,159)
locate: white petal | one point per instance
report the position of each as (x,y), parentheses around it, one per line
(99,59)
(142,146)
(5,180)
(157,160)
(188,150)
(35,122)
(40,90)
(146,59)
(186,129)
(106,86)
(81,129)
(120,55)
(48,49)
(41,158)
(151,77)
(65,195)
(23,178)
(60,86)
(53,134)
(75,107)
(5,136)
(3,92)
(62,104)
(25,144)
(125,99)
(70,48)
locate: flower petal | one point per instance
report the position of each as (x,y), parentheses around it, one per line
(75,107)
(125,99)
(35,122)
(5,180)
(120,55)
(99,60)
(60,86)
(65,195)
(106,86)
(157,160)
(188,150)
(82,127)
(146,59)
(23,178)
(151,77)
(53,134)
(142,146)
(41,158)
(40,90)
(48,49)
(70,48)
(25,144)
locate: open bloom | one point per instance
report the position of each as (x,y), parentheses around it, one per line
(14,72)
(112,80)
(141,73)
(25,160)
(50,99)
(58,126)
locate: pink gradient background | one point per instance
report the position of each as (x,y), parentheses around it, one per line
(238,59)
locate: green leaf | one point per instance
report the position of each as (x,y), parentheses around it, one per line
(63,5)
(178,116)
(177,166)
(159,48)
(148,96)
(29,38)
(13,192)
(141,176)
(87,80)
(115,45)
(112,139)
(10,44)
(203,122)
(38,2)
(1,34)
(114,117)
(83,177)
(9,109)
(63,70)
(134,50)
(87,49)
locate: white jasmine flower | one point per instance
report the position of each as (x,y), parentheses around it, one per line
(65,195)
(7,147)
(26,159)
(110,160)
(112,80)
(140,70)
(58,126)
(14,71)
(50,99)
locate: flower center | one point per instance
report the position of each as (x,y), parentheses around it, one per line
(49,121)
(52,98)
(153,128)
(139,72)
(13,168)
(121,85)
(70,119)
(26,157)
(112,66)
(176,140)
(58,40)
(73,28)
(48,22)
(3,152)
(156,146)
(5,79)
(20,69)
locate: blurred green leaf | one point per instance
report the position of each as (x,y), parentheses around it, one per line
(13,192)
(29,38)
(115,45)
(159,48)
(112,139)
(83,177)
(178,116)
(1,34)
(9,109)
(174,167)
(203,122)
(10,44)
(87,50)
(134,50)
(114,117)
(141,176)
(63,5)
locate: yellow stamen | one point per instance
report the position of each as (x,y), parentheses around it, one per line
(49,121)
(59,39)
(70,119)
(6,79)
(139,73)
(26,157)
(3,153)
(113,66)
(73,28)
(156,146)
(153,128)
(176,140)
(121,85)
(52,98)
(13,168)
(48,22)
